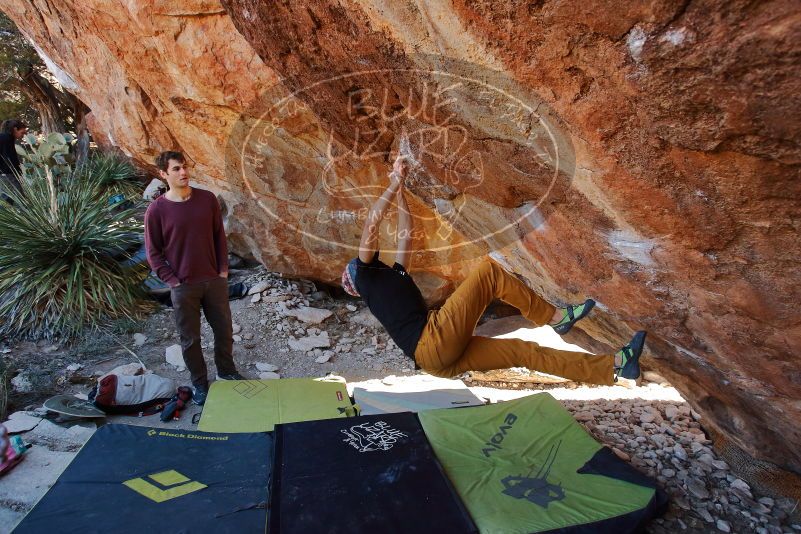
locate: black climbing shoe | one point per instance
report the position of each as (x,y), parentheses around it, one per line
(630,358)
(572,315)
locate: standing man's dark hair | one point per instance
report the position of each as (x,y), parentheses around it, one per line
(11,131)
(163,159)
(186,246)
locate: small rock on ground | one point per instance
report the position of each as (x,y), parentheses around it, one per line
(269,376)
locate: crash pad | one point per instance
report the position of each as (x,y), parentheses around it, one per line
(361,475)
(139,479)
(527,466)
(258,405)
(412,394)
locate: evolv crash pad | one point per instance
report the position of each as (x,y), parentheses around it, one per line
(365,474)
(412,394)
(139,479)
(258,405)
(527,466)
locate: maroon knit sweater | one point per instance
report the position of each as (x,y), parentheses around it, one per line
(185,241)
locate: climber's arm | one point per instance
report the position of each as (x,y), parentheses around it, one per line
(405,225)
(369,242)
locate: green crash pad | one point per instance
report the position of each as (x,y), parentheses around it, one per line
(527,466)
(258,405)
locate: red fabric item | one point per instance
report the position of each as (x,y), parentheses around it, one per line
(107,391)
(185,241)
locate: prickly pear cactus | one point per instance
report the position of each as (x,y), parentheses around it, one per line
(52,152)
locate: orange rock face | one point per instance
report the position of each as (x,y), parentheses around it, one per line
(644,155)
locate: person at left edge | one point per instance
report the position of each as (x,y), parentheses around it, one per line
(11,131)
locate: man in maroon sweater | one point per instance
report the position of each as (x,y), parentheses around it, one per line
(186,246)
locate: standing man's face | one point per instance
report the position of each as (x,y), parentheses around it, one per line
(177,174)
(19,133)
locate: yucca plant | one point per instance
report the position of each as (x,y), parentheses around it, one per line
(116,174)
(61,247)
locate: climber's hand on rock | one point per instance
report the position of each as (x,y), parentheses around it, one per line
(400,169)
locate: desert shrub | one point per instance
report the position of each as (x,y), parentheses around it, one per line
(116,174)
(61,247)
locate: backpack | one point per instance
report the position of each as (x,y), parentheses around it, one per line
(124,394)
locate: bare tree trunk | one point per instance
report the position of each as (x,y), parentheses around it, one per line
(81,131)
(45,99)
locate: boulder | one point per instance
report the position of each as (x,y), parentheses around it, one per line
(672,133)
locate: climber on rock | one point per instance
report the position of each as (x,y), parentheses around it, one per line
(442,341)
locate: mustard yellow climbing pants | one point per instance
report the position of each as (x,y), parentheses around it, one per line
(448,347)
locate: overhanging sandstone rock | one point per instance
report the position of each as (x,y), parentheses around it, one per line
(677,209)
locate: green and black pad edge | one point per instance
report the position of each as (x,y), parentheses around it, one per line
(606,463)
(527,466)
(366,474)
(138,479)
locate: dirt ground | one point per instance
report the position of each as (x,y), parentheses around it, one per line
(257,340)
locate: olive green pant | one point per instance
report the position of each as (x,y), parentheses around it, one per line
(448,347)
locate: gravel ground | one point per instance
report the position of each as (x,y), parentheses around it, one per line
(289,328)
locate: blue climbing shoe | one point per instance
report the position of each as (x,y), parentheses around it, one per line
(630,358)
(199,394)
(572,314)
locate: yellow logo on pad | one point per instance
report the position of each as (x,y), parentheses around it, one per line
(174,483)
